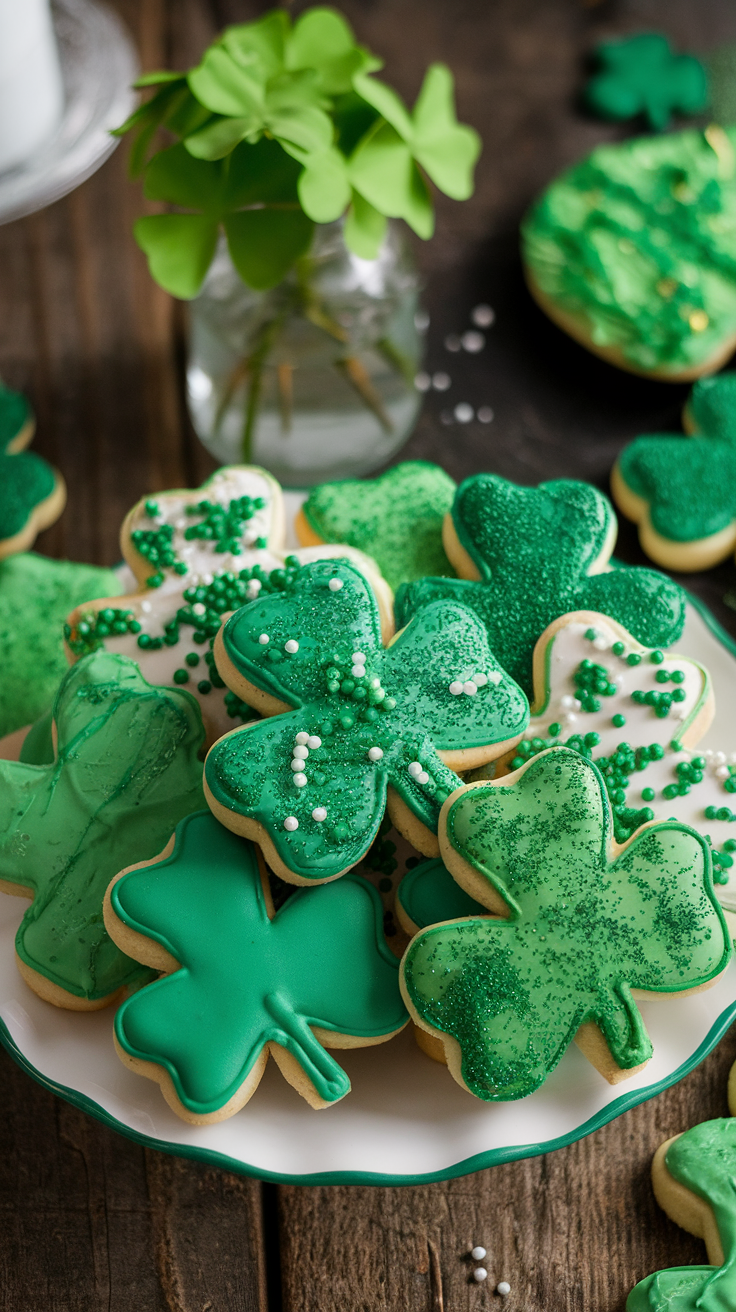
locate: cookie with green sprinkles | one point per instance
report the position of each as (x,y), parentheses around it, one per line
(579,925)
(32,494)
(352,727)
(681,491)
(631,252)
(525,556)
(396,519)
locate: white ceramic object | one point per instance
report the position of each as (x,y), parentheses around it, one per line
(31,89)
(406,1121)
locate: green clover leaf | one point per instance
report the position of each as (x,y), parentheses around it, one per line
(247,981)
(682,490)
(126,770)
(377,718)
(640,75)
(583,928)
(702,1162)
(529,555)
(396,518)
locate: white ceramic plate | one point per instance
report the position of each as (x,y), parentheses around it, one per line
(406,1121)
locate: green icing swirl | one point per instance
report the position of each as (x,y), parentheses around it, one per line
(126,770)
(582,930)
(396,519)
(639,242)
(248,979)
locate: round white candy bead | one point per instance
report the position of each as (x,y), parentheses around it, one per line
(253,589)
(503,1287)
(722,772)
(300,752)
(570,718)
(263,639)
(495,677)
(291,823)
(292,646)
(480,680)
(470,688)
(357,671)
(302,738)
(319,814)
(456,687)
(480,1274)
(423,778)
(313,742)
(719,758)
(567,702)
(600,643)
(199,608)
(334,585)
(478,1253)
(297,764)
(415,769)
(358,657)
(300,780)
(375,753)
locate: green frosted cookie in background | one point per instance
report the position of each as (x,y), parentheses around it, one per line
(642,75)
(396,519)
(36,595)
(633,253)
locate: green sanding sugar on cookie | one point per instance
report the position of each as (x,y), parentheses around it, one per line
(16,416)
(25,481)
(36,595)
(689,483)
(396,519)
(637,243)
(711,407)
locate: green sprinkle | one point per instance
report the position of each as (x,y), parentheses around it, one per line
(648,794)
(181,676)
(204,686)
(656,657)
(618,721)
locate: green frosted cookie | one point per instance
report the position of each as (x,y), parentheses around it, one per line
(632,252)
(642,75)
(396,519)
(32,494)
(36,595)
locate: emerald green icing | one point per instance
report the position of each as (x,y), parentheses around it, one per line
(582,930)
(38,744)
(15,415)
(702,1159)
(126,771)
(401,704)
(246,980)
(396,519)
(36,595)
(637,241)
(641,75)
(429,894)
(711,406)
(534,549)
(25,481)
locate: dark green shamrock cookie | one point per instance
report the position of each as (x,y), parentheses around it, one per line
(579,927)
(351,727)
(641,75)
(125,771)
(631,252)
(681,491)
(32,494)
(528,555)
(396,519)
(318,974)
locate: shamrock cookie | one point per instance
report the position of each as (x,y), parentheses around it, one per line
(586,926)
(641,75)
(682,491)
(211,549)
(125,771)
(396,518)
(36,595)
(527,555)
(242,981)
(631,253)
(693,1175)
(351,726)
(32,494)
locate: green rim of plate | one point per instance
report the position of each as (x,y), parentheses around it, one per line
(478,1162)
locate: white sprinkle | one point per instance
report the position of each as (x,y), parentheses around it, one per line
(300,780)
(472,342)
(478,1253)
(302,738)
(452,343)
(291,823)
(456,687)
(297,764)
(207,579)
(146,607)
(421,321)
(375,683)
(480,680)
(719,758)
(567,702)
(495,677)
(441,381)
(722,772)
(292,646)
(480,1274)
(334,585)
(469,688)
(253,588)
(301,752)
(483,316)
(570,718)
(423,778)
(263,639)
(358,658)
(708,753)
(375,753)
(199,608)
(503,1287)
(600,643)
(485,414)
(319,814)
(357,671)
(463,412)
(180,522)
(415,769)
(422,382)
(313,742)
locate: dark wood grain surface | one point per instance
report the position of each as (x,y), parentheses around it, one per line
(91,1222)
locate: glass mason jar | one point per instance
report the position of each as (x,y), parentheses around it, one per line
(313,379)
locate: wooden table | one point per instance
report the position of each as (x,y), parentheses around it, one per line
(89,1220)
